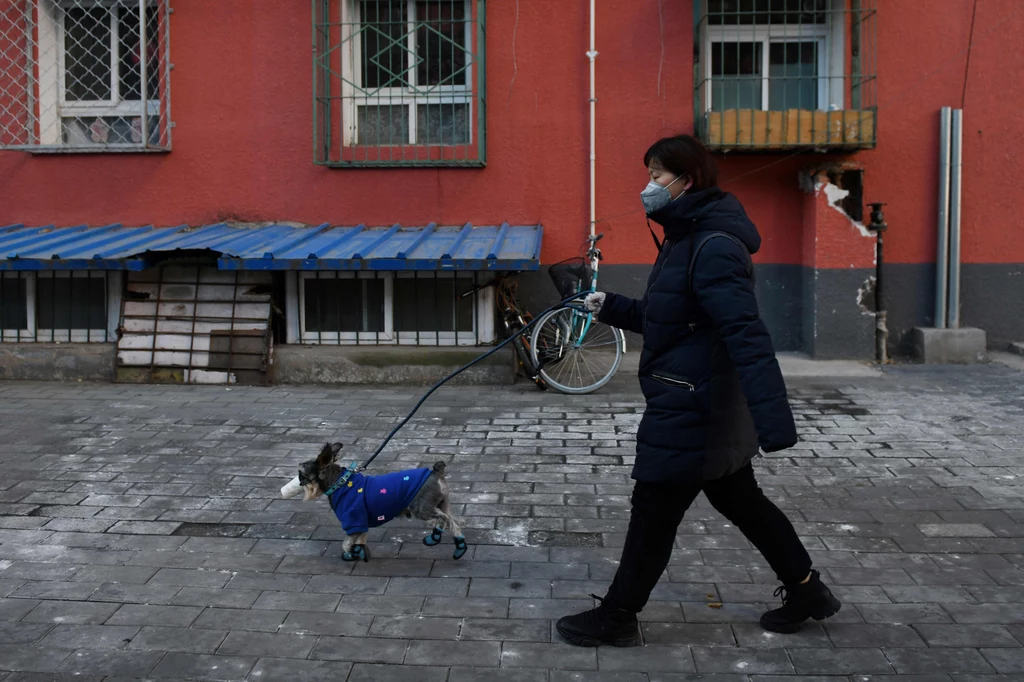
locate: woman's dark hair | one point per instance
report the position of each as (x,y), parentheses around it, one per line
(684,155)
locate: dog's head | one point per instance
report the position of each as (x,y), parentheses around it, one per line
(317,475)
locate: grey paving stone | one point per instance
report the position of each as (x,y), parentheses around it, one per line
(937,635)
(188,578)
(271,644)
(501,629)
(20,657)
(873,635)
(68,612)
(15,609)
(1005,661)
(188,640)
(457,674)
(688,634)
(415,627)
(381,605)
(120,663)
(204,667)
(135,594)
(362,649)
(555,655)
(648,658)
(312,623)
(23,633)
(751,661)
(481,607)
(453,653)
(920,661)
(308,671)
(866,661)
(362,672)
(149,614)
(199,596)
(90,636)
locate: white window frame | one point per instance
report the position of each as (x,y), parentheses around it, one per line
(35,334)
(430,337)
(351,63)
(828,36)
(295,304)
(384,336)
(54,106)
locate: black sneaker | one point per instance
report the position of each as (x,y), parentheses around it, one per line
(603,625)
(800,602)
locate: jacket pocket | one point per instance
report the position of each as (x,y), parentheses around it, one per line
(673,381)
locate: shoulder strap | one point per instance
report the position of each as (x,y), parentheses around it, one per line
(700,245)
(657,244)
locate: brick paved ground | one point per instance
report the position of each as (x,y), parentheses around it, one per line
(141,537)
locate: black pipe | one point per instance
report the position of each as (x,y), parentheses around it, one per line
(879,226)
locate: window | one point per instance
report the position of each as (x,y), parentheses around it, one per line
(52,306)
(408,308)
(773,73)
(79,79)
(410,91)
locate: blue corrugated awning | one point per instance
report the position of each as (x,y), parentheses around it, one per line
(276,247)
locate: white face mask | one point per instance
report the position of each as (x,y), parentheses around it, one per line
(656,196)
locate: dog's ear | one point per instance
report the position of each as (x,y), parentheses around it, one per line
(335,450)
(327,456)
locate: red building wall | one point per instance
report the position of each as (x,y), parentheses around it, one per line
(241,100)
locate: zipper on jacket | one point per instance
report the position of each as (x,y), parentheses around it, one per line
(672,382)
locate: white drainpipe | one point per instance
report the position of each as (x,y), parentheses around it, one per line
(592,56)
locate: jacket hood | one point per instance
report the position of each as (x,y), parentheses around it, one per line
(707,210)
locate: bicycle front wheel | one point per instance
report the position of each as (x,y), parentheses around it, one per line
(576,354)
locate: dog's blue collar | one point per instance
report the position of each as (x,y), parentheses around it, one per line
(342,480)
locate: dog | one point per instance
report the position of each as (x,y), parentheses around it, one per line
(362,502)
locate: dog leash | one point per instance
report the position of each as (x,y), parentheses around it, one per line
(357,467)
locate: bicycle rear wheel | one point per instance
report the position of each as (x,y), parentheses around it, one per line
(576,353)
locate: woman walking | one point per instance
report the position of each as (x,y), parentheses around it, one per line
(714,393)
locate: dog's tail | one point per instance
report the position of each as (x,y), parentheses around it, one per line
(439,469)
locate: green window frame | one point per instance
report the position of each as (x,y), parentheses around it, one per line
(399,83)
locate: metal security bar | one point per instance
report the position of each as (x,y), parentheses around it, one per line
(376,308)
(783,74)
(398,83)
(74,76)
(59,306)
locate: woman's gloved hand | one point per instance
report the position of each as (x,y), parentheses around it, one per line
(594,301)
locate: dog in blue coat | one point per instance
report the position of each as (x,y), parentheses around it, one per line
(363,502)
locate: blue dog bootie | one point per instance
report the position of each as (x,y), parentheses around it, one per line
(358,552)
(460,547)
(434,537)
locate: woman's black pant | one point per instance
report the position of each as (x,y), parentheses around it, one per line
(658,509)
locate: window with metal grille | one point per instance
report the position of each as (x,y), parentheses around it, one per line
(399,82)
(74,75)
(775,74)
(408,308)
(59,306)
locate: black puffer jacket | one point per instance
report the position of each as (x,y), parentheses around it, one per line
(708,370)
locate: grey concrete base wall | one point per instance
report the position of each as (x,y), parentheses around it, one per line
(387,365)
(992,299)
(837,318)
(784,292)
(57,361)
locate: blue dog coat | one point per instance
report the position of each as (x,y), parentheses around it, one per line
(369,501)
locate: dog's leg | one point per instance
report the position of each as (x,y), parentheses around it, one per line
(435,535)
(457,537)
(355,548)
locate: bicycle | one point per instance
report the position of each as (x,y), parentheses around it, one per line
(573,352)
(514,318)
(569,350)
